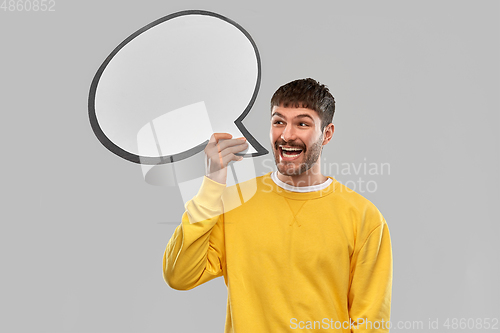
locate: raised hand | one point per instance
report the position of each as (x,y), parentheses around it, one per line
(220,150)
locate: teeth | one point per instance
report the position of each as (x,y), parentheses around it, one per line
(290,149)
(291,155)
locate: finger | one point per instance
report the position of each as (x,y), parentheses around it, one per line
(234,149)
(230,157)
(226,143)
(217,136)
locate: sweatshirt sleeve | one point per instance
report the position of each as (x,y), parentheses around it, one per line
(371,282)
(195,253)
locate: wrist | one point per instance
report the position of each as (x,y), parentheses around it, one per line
(219,176)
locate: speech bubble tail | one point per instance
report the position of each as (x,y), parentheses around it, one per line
(255,148)
(259,149)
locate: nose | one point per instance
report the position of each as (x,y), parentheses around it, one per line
(288,133)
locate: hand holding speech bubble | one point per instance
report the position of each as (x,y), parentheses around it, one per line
(221,149)
(162,92)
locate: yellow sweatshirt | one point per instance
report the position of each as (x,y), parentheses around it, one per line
(292,262)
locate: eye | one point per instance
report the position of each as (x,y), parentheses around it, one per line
(305,124)
(277,122)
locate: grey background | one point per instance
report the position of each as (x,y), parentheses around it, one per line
(417,86)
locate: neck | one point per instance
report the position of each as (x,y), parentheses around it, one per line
(308,178)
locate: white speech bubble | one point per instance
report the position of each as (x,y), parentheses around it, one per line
(167,66)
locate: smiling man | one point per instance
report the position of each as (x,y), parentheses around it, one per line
(304,252)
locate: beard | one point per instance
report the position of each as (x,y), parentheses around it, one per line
(290,168)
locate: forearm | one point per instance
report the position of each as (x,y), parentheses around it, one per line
(371,288)
(194,253)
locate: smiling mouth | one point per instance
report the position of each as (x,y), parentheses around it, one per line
(290,154)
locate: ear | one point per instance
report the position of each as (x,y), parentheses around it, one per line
(328,133)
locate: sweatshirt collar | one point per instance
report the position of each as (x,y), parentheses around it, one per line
(300,189)
(312,192)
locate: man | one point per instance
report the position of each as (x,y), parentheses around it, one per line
(304,253)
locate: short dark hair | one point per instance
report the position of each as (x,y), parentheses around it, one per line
(306,93)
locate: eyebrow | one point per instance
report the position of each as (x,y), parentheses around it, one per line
(302,115)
